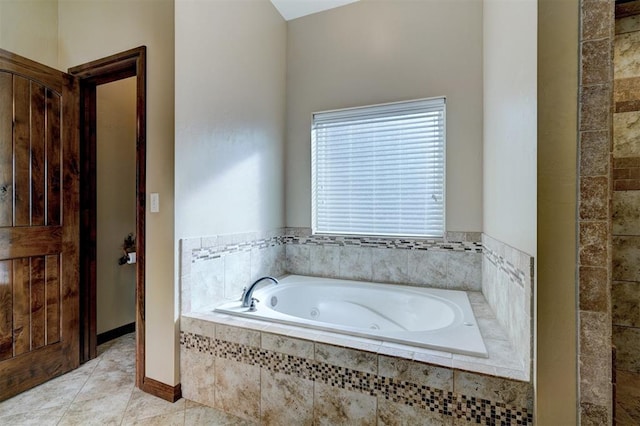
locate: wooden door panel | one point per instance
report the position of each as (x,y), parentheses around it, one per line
(53,151)
(39,233)
(6,149)
(6,309)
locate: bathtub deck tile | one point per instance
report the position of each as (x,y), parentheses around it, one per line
(347,358)
(415,372)
(288,345)
(429,358)
(501,353)
(397,350)
(353,342)
(239,335)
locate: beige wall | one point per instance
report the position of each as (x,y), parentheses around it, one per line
(116,199)
(510,72)
(557,136)
(30,28)
(93,29)
(381,51)
(230,94)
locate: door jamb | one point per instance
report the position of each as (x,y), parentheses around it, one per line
(131,63)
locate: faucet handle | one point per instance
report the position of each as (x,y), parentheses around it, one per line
(252,307)
(244,291)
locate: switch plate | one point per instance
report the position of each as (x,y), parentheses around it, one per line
(155,202)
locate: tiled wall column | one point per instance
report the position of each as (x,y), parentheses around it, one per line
(594,221)
(626,215)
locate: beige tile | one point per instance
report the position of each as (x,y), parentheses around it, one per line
(595,104)
(198,326)
(593,415)
(596,61)
(594,289)
(336,406)
(297,259)
(415,372)
(143,405)
(237,274)
(594,198)
(626,128)
(237,389)
(287,345)
(201,415)
(171,419)
(626,213)
(324,261)
(285,400)
(464,271)
(627,341)
(34,417)
(511,392)
(428,267)
(628,24)
(345,357)
(106,410)
(106,384)
(390,265)
(628,398)
(626,252)
(627,54)
(595,337)
(593,244)
(625,302)
(239,335)
(597,19)
(595,380)
(356,263)
(197,376)
(400,414)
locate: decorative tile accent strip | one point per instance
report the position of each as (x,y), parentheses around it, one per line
(452,404)
(207,253)
(626,174)
(303,236)
(517,275)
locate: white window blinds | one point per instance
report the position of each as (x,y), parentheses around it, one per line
(379,170)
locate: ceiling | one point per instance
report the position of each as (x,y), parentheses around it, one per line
(292,9)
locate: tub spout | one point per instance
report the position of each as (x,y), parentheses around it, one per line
(246,296)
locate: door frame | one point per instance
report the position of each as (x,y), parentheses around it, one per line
(131,63)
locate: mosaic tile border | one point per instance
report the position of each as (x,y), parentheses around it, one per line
(517,275)
(451,404)
(297,236)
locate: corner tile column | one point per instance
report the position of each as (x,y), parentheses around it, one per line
(594,216)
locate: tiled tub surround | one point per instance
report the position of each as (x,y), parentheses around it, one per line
(275,374)
(507,283)
(213,270)
(625,290)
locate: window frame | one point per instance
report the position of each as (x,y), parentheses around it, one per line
(429,103)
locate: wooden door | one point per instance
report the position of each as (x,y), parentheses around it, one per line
(39,233)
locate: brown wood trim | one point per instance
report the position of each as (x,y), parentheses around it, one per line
(31,70)
(162,390)
(116,67)
(30,241)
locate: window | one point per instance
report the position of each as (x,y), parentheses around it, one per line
(379,170)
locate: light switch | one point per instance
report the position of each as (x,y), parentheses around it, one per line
(155,202)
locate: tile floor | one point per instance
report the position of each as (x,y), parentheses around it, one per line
(628,398)
(102,392)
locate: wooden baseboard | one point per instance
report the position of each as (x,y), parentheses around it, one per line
(115,333)
(162,390)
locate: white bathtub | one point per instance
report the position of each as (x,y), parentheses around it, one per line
(425,317)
